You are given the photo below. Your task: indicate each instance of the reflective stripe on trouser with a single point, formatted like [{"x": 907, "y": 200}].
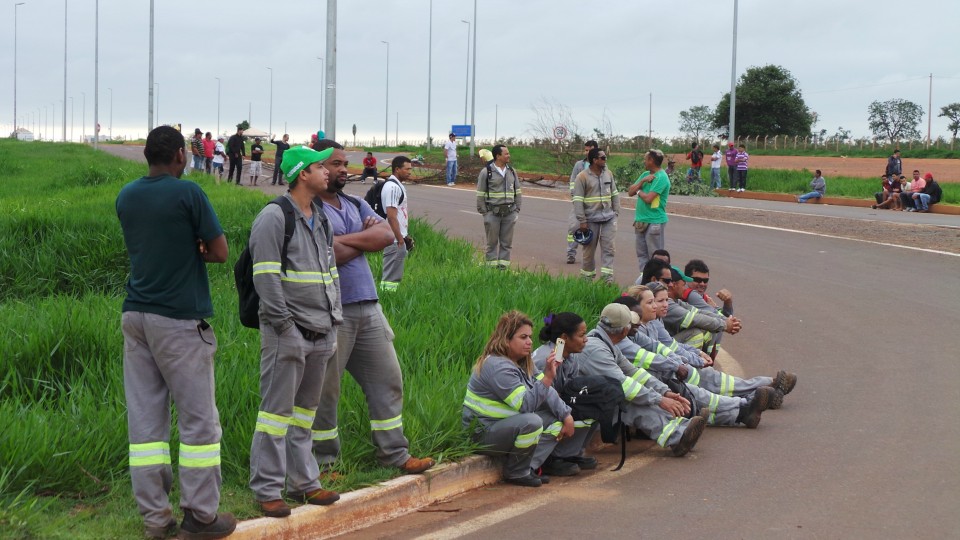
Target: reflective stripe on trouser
[
  {"x": 693, "y": 337},
  {"x": 572, "y": 225},
  {"x": 655, "y": 423},
  {"x": 500, "y": 439},
  {"x": 574, "y": 446},
  {"x": 604, "y": 234},
  {"x": 167, "y": 358},
  {"x": 394, "y": 256},
  {"x": 291, "y": 377},
  {"x": 649, "y": 241},
  {"x": 365, "y": 349},
  {"x": 723, "y": 410},
  {"x": 499, "y": 233},
  {"x": 728, "y": 385}
]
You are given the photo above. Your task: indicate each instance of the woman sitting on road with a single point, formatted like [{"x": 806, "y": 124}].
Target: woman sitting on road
[
  {"x": 567, "y": 458},
  {"x": 512, "y": 413}
]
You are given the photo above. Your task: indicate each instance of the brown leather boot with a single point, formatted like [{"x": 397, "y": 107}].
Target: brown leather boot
[
  {"x": 417, "y": 465},
  {"x": 276, "y": 509},
  {"x": 321, "y": 497}
]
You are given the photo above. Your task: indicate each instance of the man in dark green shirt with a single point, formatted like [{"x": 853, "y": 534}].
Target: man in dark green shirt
[
  {"x": 652, "y": 188},
  {"x": 171, "y": 232}
]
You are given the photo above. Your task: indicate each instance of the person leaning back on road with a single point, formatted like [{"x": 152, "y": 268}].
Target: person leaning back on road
[
  {"x": 393, "y": 199},
  {"x": 365, "y": 339},
  {"x": 573, "y": 224},
  {"x": 236, "y": 150},
  {"x": 299, "y": 314},
  {"x": 282, "y": 146},
  {"x": 650, "y": 217},
  {"x": 171, "y": 231},
  {"x": 596, "y": 204},
  {"x": 450, "y": 153},
  {"x": 498, "y": 201}
]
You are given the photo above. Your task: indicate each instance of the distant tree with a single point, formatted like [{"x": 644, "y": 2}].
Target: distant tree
[
  {"x": 769, "y": 102},
  {"x": 952, "y": 113},
  {"x": 245, "y": 125},
  {"x": 696, "y": 120},
  {"x": 895, "y": 119},
  {"x": 842, "y": 135}
]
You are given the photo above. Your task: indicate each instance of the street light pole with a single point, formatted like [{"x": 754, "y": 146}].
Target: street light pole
[
  {"x": 330, "y": 109},
  {"x": 71, "y": 118},
  {"x": 150, "y": 77},
  {"x": 15, "y": 6},
  {"x": 158, "y": 102},
  {"x": 111, "y": 112},
  {"x": 270, "y": 125},
  {"x": 429, "y": 72},
  {"x": 322, "y": 92},
  {"x": 386, "y": 111},
  {"x": 733, "y": 77},
  {"x": 83, "y": 119},
  {"x": 96, "y": 74},
  {"x": 218, "y": 105},
  {"x": 473, "y": 91},
  {"x": 466, "y": 84},
  {"x": 64, "y": 137}
]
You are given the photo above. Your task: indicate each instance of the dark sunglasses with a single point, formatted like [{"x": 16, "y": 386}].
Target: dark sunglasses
[
  {"x": 666, "y": 280},
  {"x": 602, "y": 157},
  {"x": 703, "y": 280}
]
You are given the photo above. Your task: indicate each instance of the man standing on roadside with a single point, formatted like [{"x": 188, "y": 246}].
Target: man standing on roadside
[
  {"x": 743, "y": 164},
  {"x": 731, "y": 157},
  {"x": 256, "y": 155},
  {"x": 450, "y": 152},
  {"x": 498, "y": 201},
  {"x": 299, "y": 315},
  {"x": 894, "y": 164},
  {"x": 196, "y": 148},
  {"x": 365, "y": 339},
  {"x": 715, "y": 161},
  {"x": 394, "y": 201},
  {"x": 596, "y": 203},
  {"x": 282, "y": 146},
  {"x": 171, "y": 231},
  {"x": 573, "y": 224},
  {"x": 208, "y": 147},
  {"x": 696, "y": 162},
  {"x": 650, "y": 221},
  {"x": 236, "y": 150},
  {"x": 219, "y": 153}
]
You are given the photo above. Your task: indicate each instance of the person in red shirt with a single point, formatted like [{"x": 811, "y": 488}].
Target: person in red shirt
[
  {"x": 696, "y": 161},
  {"x": 890, "y": 194},
  {"x": 369, "y": 168},
  {"x": 208, "y": 146}
]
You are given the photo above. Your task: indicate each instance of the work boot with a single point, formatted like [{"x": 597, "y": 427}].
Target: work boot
[
  {"x": 571, "y": 259},
  {"x": 704, "y": 413},
  {"x": 777, "y": 399},
  {"x": 584, "y": 462},
  {"x": 160, "y": 533},
  {"x": 544, "y": 477},
  {"x": 762, "y": 398},
  {"x": 557, "y": 467},
  {"x": 320, "y": 496},
  {"x": 275, "y": 509},
  {"x": 690, "y": 436},
  {"x": 784, "y": 381},
  {"x": 530, "y": 480},
  {"x": 222, "y": 526},
  {"x": 417, "y": 465}
]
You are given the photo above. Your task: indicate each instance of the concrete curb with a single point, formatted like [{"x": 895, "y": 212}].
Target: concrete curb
[{"x": 385, "y": 501}]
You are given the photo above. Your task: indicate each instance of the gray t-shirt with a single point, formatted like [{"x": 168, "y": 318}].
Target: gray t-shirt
[{"x": 356, "y": 279}]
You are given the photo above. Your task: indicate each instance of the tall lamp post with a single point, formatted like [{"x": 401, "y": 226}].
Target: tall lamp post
[
  {"x": 150, "y": 76},
  {"x": 111, "y": 112},
  {"x": 429, "y": 73},
  {"x": 96, "y": 74},
  {"x": 733, "y": 77},
  {"x": 271, "y": 102},
  {"x": 158, "y": 102},
  {"x": 473, "y": 90},
  {"x": 218, "y": 106},
  {"x": 71, "y": 118},
  {"x": 15, "y": 6},
  {"x": 322, "y": 92},
  {"x": 466, "y": 85},
  {"x": 386, "y": 111},
  {"x": 64, "y": 137},
  {"x": 83, "y": 119}
]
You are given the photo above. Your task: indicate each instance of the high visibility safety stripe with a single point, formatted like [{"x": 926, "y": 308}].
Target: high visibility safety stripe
[
  {"x": 334, "y": 272},
  {"x": 674, "y": 346},
  {"x": 607, "y": 271},
  {"x": 540, "y": 376},
  {"x": 206, "y": 455},
  {"x": 714, "y": 402},
  {"x": 386, "y": 425},
  {"x": 303, "y": 418},
  {"x": 308, "y": 277},
  {"x": 693, "y": 376},
  {"x": 695, "y": 341},
  {"x": 630, "y": 388},
  {"x": 687, "y": 319},
  {"x": 272, "y": 424},
  {"x": 578, "y": 424},
  {"x": 495, "y": 195},
  {"x": 587, "y": 274},
  {"x": 487, "y": 407},
  {"x": 515, "y": 399},
  {"x": 726, "y": 385},
  {"x": 145, "y": 454},
  {"x": 603, "y": 199},
  {"x": 554, "y": 428},
  {"x": 577, "y": 198},
  {"x": 526, "y": 440},
  {"x": 668, "y": 431},
  {"x": 644, "y": 358},
  {"x": 325, "y": 434},
  {"x": 642, "y": 376},
  {"x": 389, "y": 286},
  {"x": 266, "y": 268},
  {"x": 570, "y": 238},
  {"x": 663, "y": 350}
]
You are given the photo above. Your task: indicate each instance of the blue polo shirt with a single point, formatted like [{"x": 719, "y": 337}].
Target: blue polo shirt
[{"x": 356, "y": 279}]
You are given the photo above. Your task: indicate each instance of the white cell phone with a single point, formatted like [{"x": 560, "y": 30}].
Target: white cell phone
[{"x": 558, "y": 351}]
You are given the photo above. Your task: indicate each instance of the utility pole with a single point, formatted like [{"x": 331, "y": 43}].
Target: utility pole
[
  {"x": 96, "y": 74},
  {"x": 650, "y": 124},
  {"x": 111, "y": 112},
  {"x": 15, "y": 6},
  {"x": 218, "y": 106},
  {"x": 929, "y": 110},
  {"x": 64, "y": 71},
  {"x": 150, "y": 81},
  {"x": 466, "y": 84},
  {"x": 496, "y": 121},
  {"x": 733, "y": 77},
  {"x": 71, "y": 118},
  {"x": 386, "y": 106},
  {"x": 473, "y": 108},
  {"x": 330, "y": 111},
  {"x": 158, "y": 102},
  {"x": 322, "y": 92},
  {"x": 270, "y": 130},
  {"x": 429, "y": 71}
]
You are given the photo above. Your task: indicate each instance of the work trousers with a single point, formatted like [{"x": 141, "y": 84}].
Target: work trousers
[
  {"x": 648, "y": 241},
  {"x": 291, "y": 378},
  {"x": 365, "y": 349},
  {"x": 604, "y": 235},
  {"x": 524, "y": 440},
  {"x": 394, "y": 257},
  {"x": 164, "y": 358},
  {"x": 724, "y": 410},
  {"x": 655, "y": 423},
  {"x": 277, "y": 173},
  {"x": 236, "y": 164},
  {"x": 723, "y": 384},
  {"x": 572, "y": 225},
  {"x": 498, "y": 223}
]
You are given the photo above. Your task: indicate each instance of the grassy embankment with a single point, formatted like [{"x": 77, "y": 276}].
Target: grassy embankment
[{"x": 62, "y": 417}]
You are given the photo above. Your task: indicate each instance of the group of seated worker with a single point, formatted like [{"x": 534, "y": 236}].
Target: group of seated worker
[
  {"x": 657, "y": 342},
  {"x": 914, "y": 195}
]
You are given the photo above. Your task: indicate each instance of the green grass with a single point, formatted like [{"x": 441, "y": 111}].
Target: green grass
[{"x": 62, "y": 414}]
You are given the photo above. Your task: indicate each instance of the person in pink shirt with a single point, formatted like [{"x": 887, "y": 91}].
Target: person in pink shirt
[
  {"x": 208, "y": 146},
  {"x": 916, "y": 186}
]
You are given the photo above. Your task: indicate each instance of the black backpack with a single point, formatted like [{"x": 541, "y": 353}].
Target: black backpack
[
  {"x": 243, "y": 269},
  {"x": 373, "y": 196},
  {"x": 598, "y": 398},
  {"x": 696, "y": 156}
]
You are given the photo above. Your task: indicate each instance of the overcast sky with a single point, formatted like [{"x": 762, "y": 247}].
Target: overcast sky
[{"x": 596, "y": 58}]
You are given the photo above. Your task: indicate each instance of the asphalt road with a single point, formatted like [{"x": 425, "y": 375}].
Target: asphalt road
[{"x": 864, "y": 447}]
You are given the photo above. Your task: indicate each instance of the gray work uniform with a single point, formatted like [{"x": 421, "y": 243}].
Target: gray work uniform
[
  {"x": 513, "y": 415},
  {"x": 498, "y": 201},
  {"x": 364, "y": 349},
  {"x": 596, "y": 202},
  {"x": 394, "y": 195},
  {"x": 696, "y": 300},
  {"x": 642, "y": 392},
  {"x": 582, "y": 429},
  {"x": 299, "y": 313},
  {"x": 572, "y": 223},
  {"x": 691, "y": 326}
]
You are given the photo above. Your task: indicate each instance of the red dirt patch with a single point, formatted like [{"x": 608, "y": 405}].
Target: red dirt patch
[{"x": 944, "y": 170}]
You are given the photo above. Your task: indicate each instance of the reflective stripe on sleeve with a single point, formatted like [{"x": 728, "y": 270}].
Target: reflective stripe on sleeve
[
  {"x": 487, "y": 407},
  {"x": 644, "y": 358},
  {"x": 266, "y": 268},
  {"x": 630, "y": 388}
]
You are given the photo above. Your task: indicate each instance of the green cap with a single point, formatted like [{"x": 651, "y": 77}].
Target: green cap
[
  {"x": 677, "y": 274},
  {"x": 299, "y": 158}
]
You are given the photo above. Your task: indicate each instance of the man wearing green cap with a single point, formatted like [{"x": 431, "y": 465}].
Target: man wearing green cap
[{"x": 299, "y": 313}]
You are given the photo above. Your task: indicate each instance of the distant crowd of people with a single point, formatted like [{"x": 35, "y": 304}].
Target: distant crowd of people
[{"x": 899, "y": 193}]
